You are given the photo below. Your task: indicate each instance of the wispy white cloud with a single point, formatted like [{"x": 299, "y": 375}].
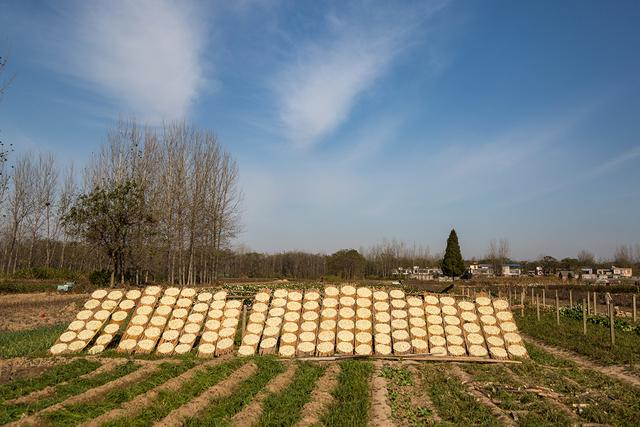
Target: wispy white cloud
[
  {"x": 145, "y": 55},
  {"x": 320, "y": 85}
]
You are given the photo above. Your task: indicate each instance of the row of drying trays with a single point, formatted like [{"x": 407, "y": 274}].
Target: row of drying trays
[{"x": 344, "y": 320}]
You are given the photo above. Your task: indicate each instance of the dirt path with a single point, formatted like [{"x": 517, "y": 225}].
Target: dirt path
[
  {"x": 251, "y": 413},
  {"x": 380, "y": 415},
  {"x": 420, "y": 397},
  {"x": 134, "y": 406},
  {"x": 108, "y": 365},
  {"x": 474, "y": 390},
  {"x": 321, "y": 397},
  {"x": 194, "y": 407},
  {"x": 90, "y": 394},
  {"x": 29, "y": 311},
  {"x": 616, "y": 372}
]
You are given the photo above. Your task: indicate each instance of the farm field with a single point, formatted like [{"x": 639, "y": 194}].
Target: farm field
[
  {"x": 262, "y": 390},
  {"x": 551, "y": 388}
]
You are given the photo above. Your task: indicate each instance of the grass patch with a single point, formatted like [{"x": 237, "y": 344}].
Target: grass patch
[
  {"x": 76, "y": 414},
  {"x": 167, "y": 401},
  {"x": 508, "y": 392},
  {"x": 605, "y": 400},
  {"x": 351, "y": 406},
  {"x": 221, "y": 411},
  {"x": 62, "y": 392},
  {"x": 55, "y": 375},
  {"x": 284, "y": 409},
  {"x": 30, "y": 343},
  {"x": 400, "y": 389},
  {"x": 568, "y": 335},
  {"x": 453, "y": 403}
]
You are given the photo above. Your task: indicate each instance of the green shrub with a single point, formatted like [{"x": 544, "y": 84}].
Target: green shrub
[
  {"x": 100, "y": 277},
  {"x": 45, "y": 273}
]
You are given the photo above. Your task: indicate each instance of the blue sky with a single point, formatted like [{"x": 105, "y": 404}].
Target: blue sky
[{"x": 358, "y": 121}]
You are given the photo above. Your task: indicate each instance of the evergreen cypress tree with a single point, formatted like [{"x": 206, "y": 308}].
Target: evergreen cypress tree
[{"x": 452, "y": 263}]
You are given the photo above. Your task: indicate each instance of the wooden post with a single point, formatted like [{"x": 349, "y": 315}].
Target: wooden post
[
  {"x": 544, "y": 299},
  {"x": 588, "y": 302},
  {"x": 612, "y": 325},
  {"x": 531, "y": 295},
  {"x": 570, "y": 298},
  {"x": 595, "y": 304},
  {"x": 538, "y": 306},
  {"x": 522, "y": 303},
  {"x": 244, "y": 319},
  {"x": 634, "y": 308},
  {"x": 584, "y": 318},
  {"x": 557, "y": 309}
]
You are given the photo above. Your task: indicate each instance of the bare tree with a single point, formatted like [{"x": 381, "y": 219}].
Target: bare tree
[
  {"x": 4, "y": 83},
  {"x": 19, "y": 205},
  {"x": 498, "y": 254},
  {"x": 623, "y": 256},
  {"x": 66, "y": 197},
  {"x": 586, "y": 258}
]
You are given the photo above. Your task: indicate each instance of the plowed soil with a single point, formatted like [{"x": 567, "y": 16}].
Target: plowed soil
[{"x": 29, "y": 311}]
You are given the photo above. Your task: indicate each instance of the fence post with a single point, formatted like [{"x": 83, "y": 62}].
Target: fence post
[
  {"x": 612, "y": 325},
  {"x": 570, "y": 298},
  {"x": 522, "y": 302},
  {"x": 244, "y": 318},
  {"x": 595, "y": 304},
  {"x": 584, "y": 317},
  {"x": 544, "y": 299},
  {"x": 538, "y": 306},
  {"x": 588, "y": 302},
  {"x": 532, "y": 295},
  {"x": 557, "y": 309},
  {"x": 634, "y": 308}
]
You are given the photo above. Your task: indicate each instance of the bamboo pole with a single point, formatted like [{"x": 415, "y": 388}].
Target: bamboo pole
[
  {"x": 532, "y": 295},
  {"x": 634, "y": 308},
  {"x": 244, "y": 319},
  {"x": 595, "y": 304},
  {"x": 408, "y": 357},
  {"x": 588, "y": 302},
  {"x": 522, "y": 303},
  {"x": 584, "y": 318},
  {"x": 538, "y": 306},
  {"x": 557, "y": 309}
]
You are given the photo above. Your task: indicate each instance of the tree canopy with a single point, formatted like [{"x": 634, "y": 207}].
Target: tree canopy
[
  {"x": 452, "y": 263},
  {"x": 110, "y": 218},
  {"x": 347, "y": 264}
]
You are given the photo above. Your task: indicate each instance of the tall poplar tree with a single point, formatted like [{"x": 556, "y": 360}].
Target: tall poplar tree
[{"x": 452, "y": 263}]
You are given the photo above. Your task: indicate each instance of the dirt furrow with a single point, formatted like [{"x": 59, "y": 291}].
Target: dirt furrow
[
  {"x": 614, "y": 371},
  {"x": 108, "y": 365},
  {"x": 251, "y": 413},
  {"x": 321, "y": 397},
  {"x": 93, "y": 393},
  {"x": 380, "y": 410},
  {"x": 134, "y": 406},
  {"x": 25, "y": 367},
  {"x": 198, "y": 404},
  {"x": 480, "y": 397},
  {"x": 420, "y": 398}
]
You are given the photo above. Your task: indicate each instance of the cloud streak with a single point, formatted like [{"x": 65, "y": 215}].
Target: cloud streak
[
  {"x": 320, "y": 85},
  {"x": 146, "y": 55}
]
